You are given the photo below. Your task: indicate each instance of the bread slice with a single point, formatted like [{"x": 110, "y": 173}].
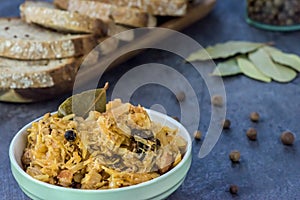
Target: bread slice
[
  {"x": 45, "y": 14},
  {"x": 21, "y": 74},
  {"x": 20, "y": 40},
  {"x": 105, "y": 11},
  {"x": 28, "y": 95},
  {"x": 154, "y": 7},
  {"x": 31, "y": 81}
]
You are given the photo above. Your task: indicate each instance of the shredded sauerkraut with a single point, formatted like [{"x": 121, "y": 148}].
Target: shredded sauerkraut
[{"x": 118, "y": 148}]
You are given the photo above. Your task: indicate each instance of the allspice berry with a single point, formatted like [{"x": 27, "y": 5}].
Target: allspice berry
[
  {"x": 180, "y": 96},
  {"x": 217, "y": 100},
  {"x": 254, "y": 116},
  {"x": 287, "y": 138},
  {"x": 197, "y": 135},
  {"x": 251, "y": 134},
  {"x": 226, "y": 124},
  {"x": 233, "y": 189},
  {"x": 235, "y": 156}
]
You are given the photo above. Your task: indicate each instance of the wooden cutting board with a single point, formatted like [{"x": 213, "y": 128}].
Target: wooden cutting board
[{"x": 195, "y": 13}]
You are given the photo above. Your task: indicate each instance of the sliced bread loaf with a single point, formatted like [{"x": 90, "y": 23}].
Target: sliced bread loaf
[
  {"x": 105, "y": 11},
  {"x": 20, "y": 40},
  {"x": 45, "y": 14},
  {"x": 155, "y": 7},
  {"x": 21, "y": 74}
]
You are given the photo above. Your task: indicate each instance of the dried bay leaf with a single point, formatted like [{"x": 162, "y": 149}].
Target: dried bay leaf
[
  {"x": 287, "y": 74},
  {"x": 224, "y": 50},
  {"x": 247, "y": 67},
  {"x": 227, "y": 68},
  {"x": 264, "y": 63},
  {"x": 282, "y": 58},
  {"x": 81, "y": 104}
]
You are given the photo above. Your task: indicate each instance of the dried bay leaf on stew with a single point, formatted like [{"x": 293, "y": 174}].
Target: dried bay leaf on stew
[
  {"x": 81, "y": 104},
  {"x": 264, "y": 63},
  {"x": 227, "y": 68},
  {"x": 224, "y": 50},
  {"x": 251, "y": 71},
  {"x": 290, "y": 60}
]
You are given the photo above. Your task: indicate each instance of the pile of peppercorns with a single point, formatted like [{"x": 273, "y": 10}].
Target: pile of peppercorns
[{"x": 274, "y": 12}]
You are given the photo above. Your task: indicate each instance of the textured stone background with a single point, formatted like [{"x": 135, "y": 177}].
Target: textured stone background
[{"x": 268, "y": 170}]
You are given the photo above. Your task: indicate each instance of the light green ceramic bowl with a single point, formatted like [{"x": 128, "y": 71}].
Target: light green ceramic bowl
[{"x": 158, "y": 188}]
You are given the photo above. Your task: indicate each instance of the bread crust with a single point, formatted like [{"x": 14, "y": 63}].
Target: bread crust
[
  {"x": 154, "y": 7},
  {"x": 45, "y": 14},
  {"x": 105, "y": 11}
]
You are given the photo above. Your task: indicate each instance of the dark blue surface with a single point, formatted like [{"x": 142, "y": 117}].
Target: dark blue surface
[{"x": 268, "y": 169}]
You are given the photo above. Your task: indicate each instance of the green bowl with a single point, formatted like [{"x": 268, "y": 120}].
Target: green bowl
[
  {"x": 272, "y": 27},
  {"x": 158, "y": 188}
]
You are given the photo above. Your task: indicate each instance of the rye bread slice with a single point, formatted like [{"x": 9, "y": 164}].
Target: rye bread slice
[
  {"x": 19, "y": 40},
  {"x": 119, "y": 14},
  {"x": 46, "y": 15},
  {"x": 154, "y": 7},
  {"x": 22, "y": 74}
]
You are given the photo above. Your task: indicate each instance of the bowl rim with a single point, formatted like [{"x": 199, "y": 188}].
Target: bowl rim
[{"x": 14, "y": 163}]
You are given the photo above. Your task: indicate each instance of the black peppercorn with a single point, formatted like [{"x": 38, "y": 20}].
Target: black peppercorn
[
  {"x": 235, "y": 156},
  {"x": 274, "y": 12},
  {"x": 287, "y": 138},
  {"x": 254, "y": 116},
  {"x": 233, "y": 189},
  {"x": 180, "y": 96},
  {"x": 176, "y": 118},
  {"x": 197, "y": 135},
  {"x": 70, "y": 135},
  {"x": 226, "y": 124},
  {"x": 217, "y": 100},
  {"x": 251, "y": 134}
]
